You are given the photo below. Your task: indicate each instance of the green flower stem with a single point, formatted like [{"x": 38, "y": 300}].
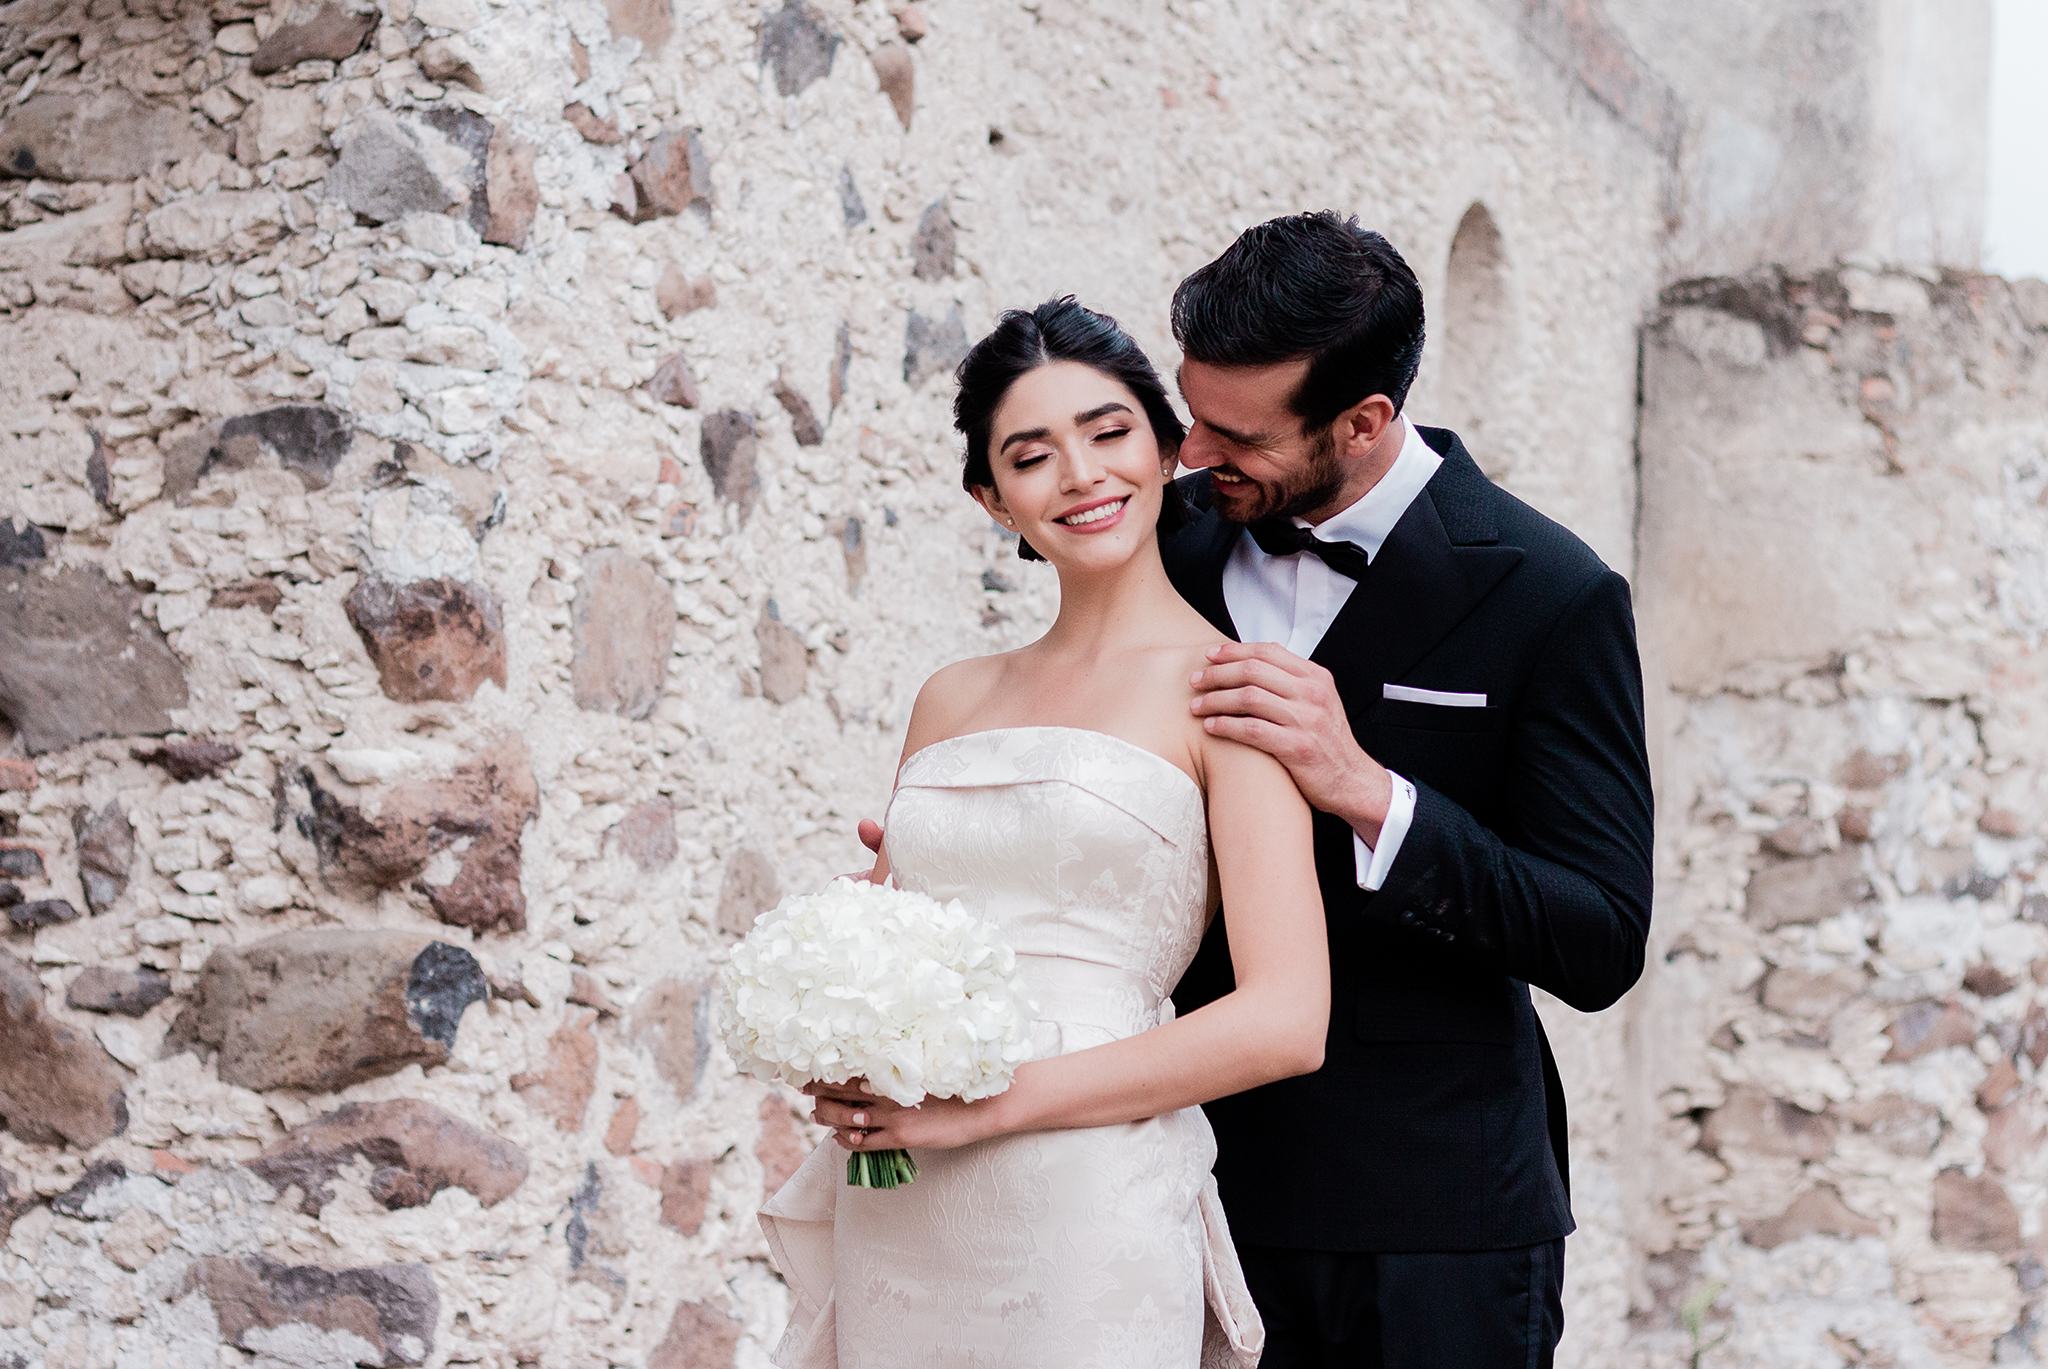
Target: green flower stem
[{"x": 880, "y": 1168}]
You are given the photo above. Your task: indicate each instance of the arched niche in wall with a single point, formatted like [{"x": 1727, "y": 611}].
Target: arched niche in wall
[{"x": 1477, "y": 338}]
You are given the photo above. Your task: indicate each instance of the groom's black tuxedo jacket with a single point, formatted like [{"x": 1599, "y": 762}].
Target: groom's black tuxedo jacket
[{"x": 1437, "y": 1121}]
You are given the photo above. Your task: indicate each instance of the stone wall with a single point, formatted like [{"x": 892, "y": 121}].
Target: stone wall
[
  {"x": 476, "y": 503},
  {"x": 1833, "y": 1081}
]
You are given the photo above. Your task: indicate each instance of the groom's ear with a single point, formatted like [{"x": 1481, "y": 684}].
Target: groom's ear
[{"x": 1359, "y": 428}]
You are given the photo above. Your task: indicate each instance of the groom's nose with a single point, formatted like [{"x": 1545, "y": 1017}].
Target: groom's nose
[{"x": 1199, "y": 450}]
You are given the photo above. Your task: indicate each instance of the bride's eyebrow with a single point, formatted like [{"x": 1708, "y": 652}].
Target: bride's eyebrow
[
  {"x": 1099, "y": 410},
  {"x": 1025, "y": 435}
]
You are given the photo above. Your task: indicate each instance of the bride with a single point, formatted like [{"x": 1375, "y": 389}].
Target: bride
[{"x": 1067, "y": 792}]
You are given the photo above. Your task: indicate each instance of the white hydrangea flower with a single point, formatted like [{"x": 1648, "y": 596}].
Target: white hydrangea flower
[{"x": 870, "y": 981}]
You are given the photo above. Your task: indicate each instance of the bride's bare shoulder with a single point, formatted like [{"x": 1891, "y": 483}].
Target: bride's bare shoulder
[{"x": 950, "y": 697}]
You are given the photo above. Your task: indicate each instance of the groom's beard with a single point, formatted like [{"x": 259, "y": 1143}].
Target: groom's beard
[{"x": 1316, "y": 485}]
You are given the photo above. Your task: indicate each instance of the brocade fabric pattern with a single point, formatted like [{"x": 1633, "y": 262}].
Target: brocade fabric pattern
[{"x": 1095, "y": 1248}]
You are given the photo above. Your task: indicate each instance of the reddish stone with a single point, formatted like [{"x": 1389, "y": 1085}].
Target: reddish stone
[
  {"x": 1975, "y": 1214},
  {"x": 1988, "y": 981},
  {"x": 393, "y": 1307},
  {"x": 678, "y": 294},
  {"x": 79, "y": 661},
  {"x": 194, "y": 758},
  {"x": 130, "y": 993},
  {"x": 18, "y": 776},
  {"x": 1813, "y": 889},
  {"x": 670, "y": 471},
  {"x": 780, "y": 1149},
  {"x": 2012, "y": 1138},
  {"x": 2002, "y": 822},
  {"x": 430, "y": 639},
  {"x": 624, "y": 626},
  {"x": 785, "y": 661},
  {"x": 647, "y": 835},
  {"x": 328, "y": 34},
  {"x": 897, "y": 76},
  {"x": 911, "y": 24},
  {"x": 651, "y": 21},
  {"x": 584, "y": 989},
  {"x": 674, "y": 174},
  {"x": 262, "y": 595},
  {"x": 669, "y": 1022},
  {"x": 417, "y": 1149},
  {"x": 1902, "y": 1125},
  {"x": 672, "y": 383},
  {"x": 2034, "y": 1027},
  {"x": 561, "y": 1088},
  {"x": 1818, "y": 1211},
  {"x": 618, "y": 1137},
  {"x": 1927, "y": 1027},
  {"x": 685, "y": 1193},
  {"x": 1998, "y": 1087},
  {"x": 679, "y": 519},
  {"x": 511, "y": 188},
  {"x": 1752, "y": 1120},
  {"x": 1804, "y": 994},
  {"x": 750, "y": 889},
  {"x": 585, "y": 120},
  {"x": 803, "y": 424},
  {"x": 1854, "y": 823},
  {"x": 1865, "y": 771},
  {"x": 57, "y": 1086},
  {"x": 699, "y": 1337},
  {"x": 167, "y": 1163}
]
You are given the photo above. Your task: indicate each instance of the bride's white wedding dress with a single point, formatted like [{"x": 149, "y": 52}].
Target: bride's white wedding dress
[{"x": 1104, "y": 1247}]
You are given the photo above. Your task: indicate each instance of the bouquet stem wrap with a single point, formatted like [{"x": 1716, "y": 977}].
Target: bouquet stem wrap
[{"x": 917, "y": 998}]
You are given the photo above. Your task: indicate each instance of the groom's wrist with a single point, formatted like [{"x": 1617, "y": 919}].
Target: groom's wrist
[{"x": 1365, "y": 807}]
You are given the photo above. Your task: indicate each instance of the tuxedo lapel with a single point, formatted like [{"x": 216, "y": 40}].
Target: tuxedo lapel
[
  {"x": 1195, "y": 561},
  {"x": 1441, "y": 559}
]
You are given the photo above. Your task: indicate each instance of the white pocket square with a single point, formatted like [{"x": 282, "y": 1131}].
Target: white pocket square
[{"x": 1440, "y": 697}]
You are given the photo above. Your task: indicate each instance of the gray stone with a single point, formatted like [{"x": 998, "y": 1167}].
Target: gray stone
[
  {"x": 22, "y": 862},
  {"x": 431, "y": 639},
  {"x": 21, "y": 543},
  {"x": 57, "y": 1086},
  {"x": 131, "y": 993},
  {"x": 647, "y": 835},
  {"x": 391, "y": 1308},
  {"x": 727, "y": 446},
  {"x": 309, "y": 440},
  {"x": 1818, "y": 1211},
  {"x": 511, "y": 189},
  {"x": 106, "y": 135},
  {"x": 785, "y": 661},
  {"x": 797, "y": 47},
  {"x": 672, "y": 383},
  {"x": 106, "y": 850},
  {"x": 321, "y": 1009},
  {"x": 1752, "y": 1120},
  {"x": 897, "y": 76},
  {"x": 842, "y": 359},
  {"x": 931, "y": 247},
  {"x": 671, "y": 1022},
  {"x": 674, "y": 174},
  {"x": 323, "y": 32},
  {"x": 624, "y": 624},
  {"x": 16, "y": 1198},
  {"x": 79, "y": 661},
  {"x": 1902, "y": 1125},
  {"x": 472, "y": 133},
  {"x": 195, "y": 758},
  {"x": 416, "y": 1148},
  {"x": 803, "y": 424},
  {"x": 77, "y": 1201},
  {"x": 385, "y": 174},
  {"x": 1975, "y": 1214},
  {"x": 97, "y": 477},
  {"x": 10, "y": 894},
  {"x": 1927, "y": 1027},
  {"x": 751, "y": 887},
  {"x": 932, "y": 346},
  {"x": 1786, "y": 892},
  {"x": 851, "y": 207},
  {"x": 43, "y": 912}
]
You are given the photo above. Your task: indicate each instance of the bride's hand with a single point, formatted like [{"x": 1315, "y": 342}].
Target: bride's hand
[{"x": 860, "y": 1121}]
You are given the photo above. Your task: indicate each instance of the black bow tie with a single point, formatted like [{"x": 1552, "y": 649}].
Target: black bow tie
[{"x": 1282, "y": 537}]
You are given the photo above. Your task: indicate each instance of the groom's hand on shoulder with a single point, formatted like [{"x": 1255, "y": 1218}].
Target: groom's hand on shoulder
[{"x": 1265, "y": 696}]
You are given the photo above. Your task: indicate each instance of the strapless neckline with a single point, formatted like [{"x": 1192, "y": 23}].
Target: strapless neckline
[{"x": 985, "y": 732}]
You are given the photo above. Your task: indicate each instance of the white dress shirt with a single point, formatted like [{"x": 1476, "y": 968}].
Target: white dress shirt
[{"x": 1292, "y": 600}]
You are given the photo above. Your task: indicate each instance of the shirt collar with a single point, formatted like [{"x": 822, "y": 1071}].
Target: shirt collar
[{"x": 1371, "y": 519}]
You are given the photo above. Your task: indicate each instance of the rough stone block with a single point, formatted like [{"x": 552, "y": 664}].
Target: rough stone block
[
  {"x": 106, "y": 135},
  {"x": 1786, "y": 892},
  {"x": 1975, "y": 1214},
  {"x": 10, "y": 894},
  {"x": 780, "y": 1147},
  {"x": 560, "y": 1089},
  {"x": 511, "y": 189},
  {"x": 727, "y": 446},
  {"x": 803, "y": 424},
  {"x": 751, "y": 887},
  {"x": 57, "y": 1086},
  {"x": 674, "y": 174},
  {"x": 897, "y": 76},
  {"x": 672, "y": 383},
  {"x": 390, "y": 169},
  {"x": 41, "y": 913},
  {"x": 624, "y": 627},
  {"x": 431, "y": 639},
  {"x": 417, "y": 1150},
  {"x": 469, "y": 135},
  {"x": 384, "y": 1314},
  {"x": 1927, "y": 1027},
  {"x": 796, "y": 47},
  {"x": 324, "y": 32},
  {"x": 932, "y": 346},
  {"x": 106, "y": 851},
  {"x": 22, "y": 862},
  {"x": 647, "y": 835},
  {"x": 931, "y": 246},
  {"x": 785, "y": 661},
  {"x": 309, "y": 440},
  {"x": 322, "y": 1009},
  {"x": 78, "y": 660},
  {"x": 1818, "y": 1211},
  {"x": 650, "y": 21},
  {"x": 698, "y": 1337},
  {"x": 1752, "y": 1120},
  {"x": 21, "y": 543},
  {"x": 685, "y": 1193},
  {"x": 131, "y": 993},
  {"x": 193, "y": 758},
  {"x": 670, "y": 1021},
  {"x": 280, "y": 123},
  {"x": 77, "y": 1200}
]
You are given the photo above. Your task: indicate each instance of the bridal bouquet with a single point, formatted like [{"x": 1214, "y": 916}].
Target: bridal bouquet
[{"x": 867, "y": 981}]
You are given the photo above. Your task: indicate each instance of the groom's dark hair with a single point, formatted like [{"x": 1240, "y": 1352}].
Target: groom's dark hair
[{"x": 1315, "y": 287}]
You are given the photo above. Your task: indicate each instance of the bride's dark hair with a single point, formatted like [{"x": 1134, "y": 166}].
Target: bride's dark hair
[{"x": 1058, "y": 330}]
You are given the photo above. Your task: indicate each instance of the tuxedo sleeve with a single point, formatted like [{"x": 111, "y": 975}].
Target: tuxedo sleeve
[{"x": 1560, "y": 896}]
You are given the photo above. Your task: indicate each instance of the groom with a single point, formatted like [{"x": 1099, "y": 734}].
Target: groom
[{"x": 1452, "y": 680}]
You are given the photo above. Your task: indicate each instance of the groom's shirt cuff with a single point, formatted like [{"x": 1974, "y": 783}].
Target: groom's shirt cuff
[{"x": 1373, "y": 862}]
